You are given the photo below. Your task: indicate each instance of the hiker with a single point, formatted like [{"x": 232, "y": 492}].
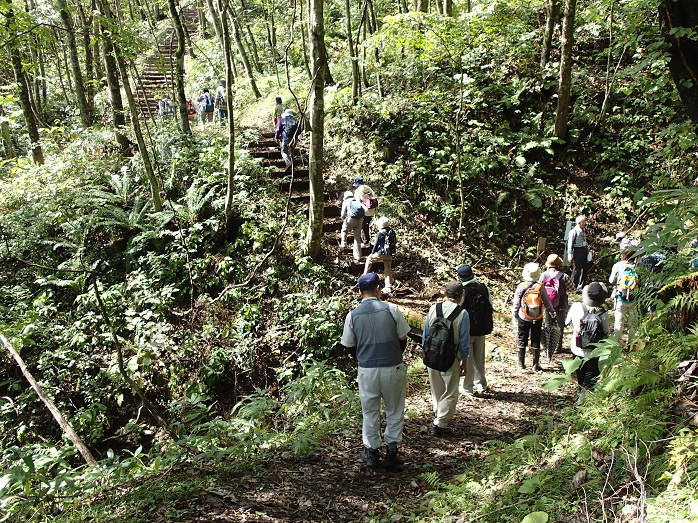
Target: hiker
[
  {"x": 364, "y": 194},
  {"x": 444, "y": 384},
  {"x": 352, "y": 216},
  {"x": 557, "y": 285},
  {"x": 278, "y": 109},
  {"x": 530, "y": 303},
  {"x": 206, "y": 106},
  {"x": 477, "y": 302},
  {"x": 221, "y": 102},
  {"x": 589, "y": 321},
  {"x": 375, "y": 333},
  {"x": 578, "y": 251},
  {"x": 383, "y": 251},
  {"x": 165, "y": 107},
  {"x": 626, "y": 290},
  {"x": 285, "y": 135}
]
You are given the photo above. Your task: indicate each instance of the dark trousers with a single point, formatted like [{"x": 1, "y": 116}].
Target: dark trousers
[
  {"x": 588, "y": 373},
  {"x": 532, "y": 327},
  {"x": 579, "y": 271},
  {"x": 365, "y": 235}
]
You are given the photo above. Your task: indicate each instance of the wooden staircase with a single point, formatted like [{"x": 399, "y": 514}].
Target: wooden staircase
[{"x": 156, "y": 77}]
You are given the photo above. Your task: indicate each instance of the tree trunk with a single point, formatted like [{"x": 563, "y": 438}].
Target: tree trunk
[
  {"x": 563, "y": 94},
  {"x": 448, "y": 7},
  {"x": 80, "y": 95},
  {"x": 65, "y": 426},
  {"x": 271, "y": 37},
  {"x": 422, "y": 6},
  {"x": 230, "y": 230},
  {"x": 25, "y": 103},
  {"x": 5, "y": 135},
  {"x": 133, "y": 108},
  {"x": 89, "y": 50},
  {"x": 552, "y": 14},
  {"x": 352, "y": 56},
  {"x": 304, "y": 37},
  {"x": 255, "y": 52},
  {"x": 316, "y": 30},
  {"x": 112, "y": 76},
  {"x": 243, "y": 54},
  {"x": 683, "y": 65},
  {"x": 179, "y": 69}
]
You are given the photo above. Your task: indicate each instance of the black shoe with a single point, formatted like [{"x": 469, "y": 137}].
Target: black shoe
[
  {"x": 441, "y": 432},
  {"x": 372, "y": 457},
  {"x": 393, "y": 461}
]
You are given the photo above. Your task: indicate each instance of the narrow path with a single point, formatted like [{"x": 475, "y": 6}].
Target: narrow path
[{"x": 334, "y": 485}]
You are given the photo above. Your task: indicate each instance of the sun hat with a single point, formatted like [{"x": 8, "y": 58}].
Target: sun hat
[
  {"x": 358, "y": 181},
  {"x": 465, "y": 272},
  {"x": 287, "y": 112},
  {"x": 553, "y": 261},
  {"x": 530, "y": 272},
  {"x": 382, "y": 222},
  {"x": 454, "y": 290},
  {"x": 348, "y": 194},
  {"x": 594, "y": 294},
  {"x": 368, "y": 281}
]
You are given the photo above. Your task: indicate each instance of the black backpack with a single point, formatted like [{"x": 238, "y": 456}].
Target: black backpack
[
  {"x": 438, "y": 348},
  {"x": 479, "y": 309},
  {"x": 591, "y": 328},
  {"x": 390, "y": 247}
]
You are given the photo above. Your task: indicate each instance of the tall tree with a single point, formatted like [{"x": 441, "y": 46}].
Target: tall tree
[
  {"x": 565, "y": 85},
  {"x": 71, "y": 43},
  {"x": 675, "y": 15},
  {"x": 316, "y": 32},
  {"x": 179, "y": 68},
  {"x": 352, "y": 56},
  {"x": 237, "y": 36},
  {"x": 552, "y": 15},
  {"x": 111, "y": 70},
  {"x": 23, "y": 86}
]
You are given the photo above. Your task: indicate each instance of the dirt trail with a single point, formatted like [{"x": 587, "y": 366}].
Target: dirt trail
[{"x": 335, "y": 485}]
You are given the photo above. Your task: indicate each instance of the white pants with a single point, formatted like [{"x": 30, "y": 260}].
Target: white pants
[
  {"x": 354, "y": 225},
  {"x": 387, "y": 267},
  {"x": 476, "y": 365},
  {"x": 625, "y": 315},
  {"x": 444, "y": 393},
  {"x": 389, "y": 384}
]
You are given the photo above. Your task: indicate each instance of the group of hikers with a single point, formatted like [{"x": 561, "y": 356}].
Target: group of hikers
[
  {"x": 453, "y": 338},
  {"x": 205, "y": 105}
]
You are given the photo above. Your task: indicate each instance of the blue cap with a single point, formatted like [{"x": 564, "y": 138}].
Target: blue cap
[
  {"x": 358, "y": 181},
  {"x": 368, "y": 281},
  {"x": 465, "y": 272}
]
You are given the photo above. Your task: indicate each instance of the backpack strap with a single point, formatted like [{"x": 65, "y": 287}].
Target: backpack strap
[{"x": 440, "y": 310}]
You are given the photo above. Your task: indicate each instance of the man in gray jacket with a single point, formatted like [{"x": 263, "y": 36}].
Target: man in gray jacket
[{"x": 375, "y": 333}]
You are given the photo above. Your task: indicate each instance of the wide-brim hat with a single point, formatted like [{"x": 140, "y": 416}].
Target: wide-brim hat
[
  {"x": 530, "y": 272},
  {"x": 553, "y": 261},
  {"x": 348, "y": 194},
  {"x": 594, "y": 294}
]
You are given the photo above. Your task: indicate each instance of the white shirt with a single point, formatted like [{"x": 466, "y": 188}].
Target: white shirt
[{"x": 574, "y": 317}]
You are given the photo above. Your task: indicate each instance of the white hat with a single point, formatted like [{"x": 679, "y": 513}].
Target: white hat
[
  {"x": 348, "y": 194},
  {"x": 287, "y": 112},
  {"x": 530, "y": 272},
  {"x": 382, "y": 222}
]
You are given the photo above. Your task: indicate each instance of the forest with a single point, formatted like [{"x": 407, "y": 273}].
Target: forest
[{"x": 172, "y": 296}]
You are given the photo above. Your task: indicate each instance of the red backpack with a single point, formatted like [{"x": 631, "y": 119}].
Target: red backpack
[{"x": 532, "y": 302}]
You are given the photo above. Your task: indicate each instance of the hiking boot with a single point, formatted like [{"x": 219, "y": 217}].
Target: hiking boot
[
  {"x": 372, "y": 457},
  {"x": 536, "y": 360},
  {"x": 522, "y": 357},
  {"x": 393, "y": 461},
  {"x": 440, "y": 431}
]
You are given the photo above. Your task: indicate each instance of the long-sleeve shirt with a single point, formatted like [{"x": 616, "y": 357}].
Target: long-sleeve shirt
[
  {"x": 460, "y": 326},
  {"x": 520, "y": 290},
  {"x": 574, "y": 318},
  {"x": 577, "y": 238},
  {"x": 360, "y": 194}
]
